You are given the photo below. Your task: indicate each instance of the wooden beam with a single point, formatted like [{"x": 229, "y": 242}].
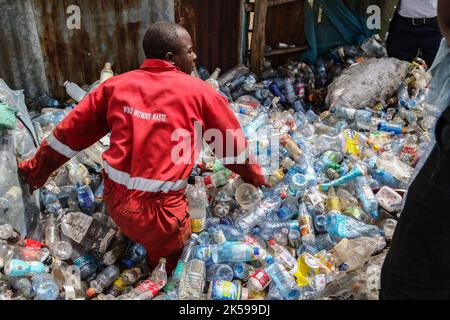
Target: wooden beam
[
  {"x": 259, "y": 36},
  {"x": 272, "y": 3},
  {"x": 285, "y": 51}
]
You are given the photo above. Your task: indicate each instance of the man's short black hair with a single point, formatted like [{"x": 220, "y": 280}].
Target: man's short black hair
[{"x": 161, "y": 38}]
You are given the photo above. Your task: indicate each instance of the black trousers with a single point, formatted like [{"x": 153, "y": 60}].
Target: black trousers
[
  {"x": 417, "y": 266},
  {"x": 406, "y": 40}
]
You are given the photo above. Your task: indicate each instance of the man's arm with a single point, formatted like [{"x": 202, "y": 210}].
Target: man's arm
[
  {"x": 84, "y": 126},
  {"x": 444, "y": 18},
  {"x": 217, "y": 115}
]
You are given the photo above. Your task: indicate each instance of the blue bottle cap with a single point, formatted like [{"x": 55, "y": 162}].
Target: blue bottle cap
[{"x": 256, "y": 251}]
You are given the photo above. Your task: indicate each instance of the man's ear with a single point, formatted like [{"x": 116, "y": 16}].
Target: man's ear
[{"x": 170, "y": 57}]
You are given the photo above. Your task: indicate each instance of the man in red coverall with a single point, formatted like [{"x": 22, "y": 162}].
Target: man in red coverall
[{"x": 144, "y": 186}]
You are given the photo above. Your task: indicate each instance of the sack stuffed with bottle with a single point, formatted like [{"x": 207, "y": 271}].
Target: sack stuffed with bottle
[{"x": 366, "y": 83}]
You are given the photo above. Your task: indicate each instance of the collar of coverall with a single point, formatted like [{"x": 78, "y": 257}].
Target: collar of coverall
[{"x": 152, "y": 64}]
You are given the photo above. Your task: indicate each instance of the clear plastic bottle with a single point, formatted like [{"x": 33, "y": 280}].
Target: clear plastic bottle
[
  {"x": 329, "y": 159},
  {"x": 198, "y": 202},
  {"x": 306, "y": 224},
  {"x": 340, "y": 226},
  {"x": 243, "y": 271},
  {"x": 87, "y": 231},
  {"x": 85, "y": 262},
  {"x": 193, "y": 281},
  {"x": 131, "y": 276},
  {"x": 233, "y": 252},
  {"x": 247, "y": 196},
  {"x": 356, "y": 172},
  {"x": 51, "y": 202},
  {"x": 212, "y": 81},
  {"x": 356, "y": 252},
  {"x": 297, "y": 188},
  {"x": 219, "y": 272},
  {"x": 74, "y": 91},
  {"x": 366, "y": 196},
  {"x": 282, "y": 280},
  {"x": 333, "y": 202},
  {"x": 258, "y": 281},
  {"x": 61, "y": 250},
  {"x": 291, "y": 146},
  {"x": 85, "y": 198},
  {"x": 283, "y": 256},
  {"x": 106, "y": 73},
  {"x": 225, "y": 290},
  {"x": 45, "y": 287},
  {"x": 8, "y": 233},
  {"x": 184, "y": 258},
  {"x": 104, "y": 280},
  {"x": 258, "y": 215},
  {"x": 23, "y": 286}
]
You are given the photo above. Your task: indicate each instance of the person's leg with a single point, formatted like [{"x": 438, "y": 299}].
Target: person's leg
[
  {"x": 402, "y": 42},
  {"x": 430, "y": 41},
  {"x": 160, "y": 223}
]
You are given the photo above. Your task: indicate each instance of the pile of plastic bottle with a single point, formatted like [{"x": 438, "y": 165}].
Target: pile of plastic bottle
[{"x": 338, "y": 178}]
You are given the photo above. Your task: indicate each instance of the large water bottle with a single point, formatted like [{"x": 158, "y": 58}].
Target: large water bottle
[
  {"x": 193, "y": 281},
  {"x": 233, "y": 252},
  {"x": 340, "y": 226},
  {"x": 185, "y": 256},
  {"x": 282, "y": 280},
  {"x": 366, "y": 196},
  {"x": 258, "y": 215}
]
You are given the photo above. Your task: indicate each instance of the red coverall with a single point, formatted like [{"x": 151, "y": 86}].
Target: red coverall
[{"x": 144, "y": 188}]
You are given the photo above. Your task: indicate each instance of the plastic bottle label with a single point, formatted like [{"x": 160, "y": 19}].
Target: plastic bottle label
[
  {"x": 198, "y": 225},
  {"x": 305, "y": 225},
  {"x": 149, "y": 286},
  {"x": 262, "y": 278},
  {"x": 224, "y": 290},
  {"x": 352, "y": 143}
]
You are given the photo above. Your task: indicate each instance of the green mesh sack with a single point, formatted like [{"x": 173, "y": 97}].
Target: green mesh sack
[{"x": 7, "y": 117}]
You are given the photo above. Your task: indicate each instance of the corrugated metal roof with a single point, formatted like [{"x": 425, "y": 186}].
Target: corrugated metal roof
[{"x": 40, "y": 52}]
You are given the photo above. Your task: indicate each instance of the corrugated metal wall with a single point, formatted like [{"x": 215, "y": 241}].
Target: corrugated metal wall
[{"x": 39, "y": 52}]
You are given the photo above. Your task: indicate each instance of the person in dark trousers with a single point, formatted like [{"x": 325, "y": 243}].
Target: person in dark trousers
[
  {"x": 414, "y": 30},
  {"x": 417, "y": 266}
]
